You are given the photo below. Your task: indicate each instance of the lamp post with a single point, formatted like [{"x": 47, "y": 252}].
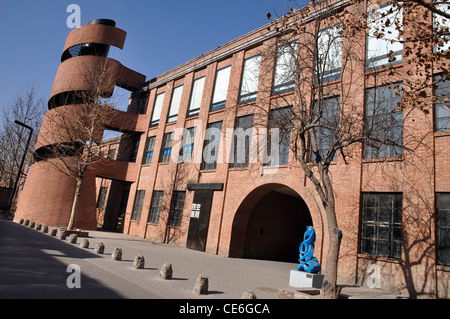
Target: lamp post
[{"x": 11, "y": 197}]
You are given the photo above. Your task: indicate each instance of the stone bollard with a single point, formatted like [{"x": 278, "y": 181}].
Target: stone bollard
[
  {"x": 117, "y": 254},
  {"x": 38, "y": 226},
  {"x": 21, "y": 221},
  {"x": 45, "y": 229},
  {"x": 201, "y": 285},
  {"x": 99, "y": 248},
  {"x": 32, "y": 225},
  {"x": 139, "y": 262},
  {"x": 248, "y": 294},
  {"x": 73, "y": 238},
  {"x": 27, "y": 222},
  {"x": 166, "y": 271},
  {"x": 84, "y": 243},
  {"x": 62, "y": 235}
]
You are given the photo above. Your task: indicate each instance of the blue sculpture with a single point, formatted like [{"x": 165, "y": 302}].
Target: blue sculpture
[{"x": 308, "y": 263}]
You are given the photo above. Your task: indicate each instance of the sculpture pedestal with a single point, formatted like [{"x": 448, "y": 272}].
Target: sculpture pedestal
[{"x": 302, "y": 279}]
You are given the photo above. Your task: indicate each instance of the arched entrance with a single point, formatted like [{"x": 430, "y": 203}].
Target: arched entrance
[{"x": 269, "y": 224}]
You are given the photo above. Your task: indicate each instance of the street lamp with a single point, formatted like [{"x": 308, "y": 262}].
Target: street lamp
[{"x": 11, "y": 197}]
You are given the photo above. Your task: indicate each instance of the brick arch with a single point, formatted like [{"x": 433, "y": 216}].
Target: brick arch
[{"x": 243, "y": 223}]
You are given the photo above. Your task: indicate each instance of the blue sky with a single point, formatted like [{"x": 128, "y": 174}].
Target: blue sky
[{"x": 160, "y": 34}]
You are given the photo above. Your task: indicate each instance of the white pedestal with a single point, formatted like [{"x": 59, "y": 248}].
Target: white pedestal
[{"x": 302, "y": 279}]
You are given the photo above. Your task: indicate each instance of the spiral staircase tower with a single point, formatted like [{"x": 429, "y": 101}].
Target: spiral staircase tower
[{"x": 48, "y": 194}]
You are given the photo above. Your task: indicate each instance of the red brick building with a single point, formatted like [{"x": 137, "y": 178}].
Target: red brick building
[{"x": 392, "y": 204}]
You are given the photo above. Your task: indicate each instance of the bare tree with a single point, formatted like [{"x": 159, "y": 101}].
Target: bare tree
[
  {"x": 319, "y": 59},
  {"x": 28, "y": 108},
  {"x": 71, "y": 134}
]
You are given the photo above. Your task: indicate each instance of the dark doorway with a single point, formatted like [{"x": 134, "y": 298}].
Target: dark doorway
[{"x": 274, "y": 227}]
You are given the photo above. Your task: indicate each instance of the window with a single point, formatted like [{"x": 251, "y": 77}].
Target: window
[
  {"x": 102, "y": 197},
  {"x": 250, "y": 77},
  {"x": 442, "y": 110},
  {"x": 285, "y": 69},
  {"x": 175, "y": 104},
  {"x": 326, "y": 137},
  {"x": 166, "y": 147},
  {"x": 211, "y": 145},
  {"x": 157, "y": 108},
  {"x": 176, "y": 209},
  {"x": 242, "y": 141},
  {"x": 381, "y": 233},
  {"x": 134, "y": 150},
  {"x": 384, "y": 122},
  {"x": 137, "y": 207},
  {"x": 149, "y": 149},
  {"x": 383, "y": 47},
  {"x": 142, "y": 104},
  {"x": 279, "y": 119},
  {"x": 155, "y": 207},
  {"x": 442, "y": 26},
  {"x": 111, "y": 153},
  {"x": 221, "y": 89},
  {"x": 196, "y": 97},
  {"x": 329, "y": 48},
  {"x": 443, "y": 228},
  {"x": 187, "y": 144}
]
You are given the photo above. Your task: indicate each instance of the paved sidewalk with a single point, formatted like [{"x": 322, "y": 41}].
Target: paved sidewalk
[{"x": 228, "y": 277}]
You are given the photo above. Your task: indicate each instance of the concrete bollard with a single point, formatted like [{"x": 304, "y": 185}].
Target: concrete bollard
[
  {"x": 84, "y": 243},
  {"x": 73, "y": 238},
  {"x": 100, "y": 248},
  {"x": 139, "y": 262},
  {"x": 117, "y": 254},
  {"x": 45, "y": 229},
  {"x": 53, "y": 232},
  {"x": 201, "y": 285},
  {"x": 248, "y": 294},
  {"x": 62, "y": 235},
  {"x": 166, "y": 271}
]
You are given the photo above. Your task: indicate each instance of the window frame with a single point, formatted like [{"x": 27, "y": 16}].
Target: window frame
[
  {"x": 440, "y": 228},
  {"x": 247, "y": 95},
  {"x": 176, "y": 209},
  {"x": 387, "y": 231},
  {"x": 166, "y": 147},
  {"x": 138, "y": 204},
  {"x": 220, "y": 94},
  {"x": 155, "y": 207},
  {"x": 206, "y": 141},
  {"x": 149, "y": 148},
  {"x": 196, "y": 96}
]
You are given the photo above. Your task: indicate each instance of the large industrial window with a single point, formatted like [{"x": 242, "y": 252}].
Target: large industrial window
[
  {"x": 187, "y": 144},
  {"x": 381, "y": 227},
  {"x": 442, "y": 110},
  {"x": 383, "y": 45},
  {"x": 443, "y": 228},
  {"x": 329, "y": 49},
  {"x": 280, "y": 125},
  {"x": 149, "y": 149},
  {"x": 157, "y": 108},
  {"x": 138, "y": 203},
  {"x": 196, "y": 97},
  {"x": 211, "y": 145},
  {"x": 155, "y": 207},
  {"x": 221, "y": 88},
  {"x": 166, "y": 147},
  {"x": 242, "y": 141},
  {"x": 384, "y": 122},
  {"x": 442, "y": 24},
  {"x": 326, "y": 136},
  {"x": 175, "y": 104},
  {"x": 176, "y": 209},
  {"x": 135, "y": 149},
  {"x": 250, "y": 77},
  {"x": 286, "y": 68},
  {"x": 102, "y": 197}
]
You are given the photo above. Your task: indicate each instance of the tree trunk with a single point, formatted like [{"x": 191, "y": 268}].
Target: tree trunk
[
  {"x": 75, "y": 203},
  {"x": 330, "y": 290}
]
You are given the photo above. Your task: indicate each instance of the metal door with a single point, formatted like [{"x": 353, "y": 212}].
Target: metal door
[{"x": 199, "y": 221}]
